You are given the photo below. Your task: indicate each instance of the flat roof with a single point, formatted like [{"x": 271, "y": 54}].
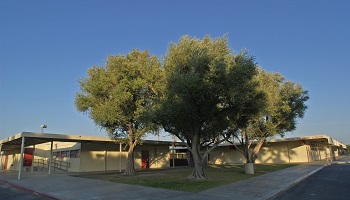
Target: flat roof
[
  {"x": 315, "y": 138},
  {"x": 319, "y": 138},
  {"x": 34, "y": 138}
]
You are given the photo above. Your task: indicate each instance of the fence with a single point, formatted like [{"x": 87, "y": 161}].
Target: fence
[{"x": 56, "y": 164}]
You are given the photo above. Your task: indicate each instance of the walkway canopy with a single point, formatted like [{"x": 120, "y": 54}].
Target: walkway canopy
[{"x": 31, "y": 138}]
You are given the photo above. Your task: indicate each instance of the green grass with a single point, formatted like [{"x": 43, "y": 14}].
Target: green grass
[{"x": 176, "y": 179}]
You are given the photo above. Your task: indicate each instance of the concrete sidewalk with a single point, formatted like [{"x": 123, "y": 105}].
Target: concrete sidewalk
[{"x": 61, "y": 186}]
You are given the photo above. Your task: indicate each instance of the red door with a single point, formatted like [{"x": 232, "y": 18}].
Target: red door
[
  {"x": 145, "y": 159},
  {"x": 28, "y": 157}
]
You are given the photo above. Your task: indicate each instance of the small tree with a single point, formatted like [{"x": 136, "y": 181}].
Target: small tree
[
  {"x": 285, "y": 104},
  {"x": 347, "y": 151},
  {"x": 204, "y": 78},
  {"x": 118, "y": 96}
]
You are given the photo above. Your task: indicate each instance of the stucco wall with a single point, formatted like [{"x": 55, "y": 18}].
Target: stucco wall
[
  {"x": 92, "y": 161},
  {"x": 97, "y": 157},
  {"x": 13, "y": 160},
  {"x": 116, "y": 160},
  {"x": 225, "y": 155},
  {"x": 158, "y": 156},
  {"x": 277, "y": 152},
  {"x": 298, "y": 152},
  {"x": 273, "y": 153},
  {"x": 101, "y": 157},
  {"x": 283, "y": 152}
]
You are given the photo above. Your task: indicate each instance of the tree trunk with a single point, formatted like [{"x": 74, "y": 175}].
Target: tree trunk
[
  {"x": 254, "y": 154},
  {"x": 246, "y": 147},
  {"x": 249, "y": 166},
  {"x": 198, "y": 171},
  {"x": 189, "y": 159},
  {"x": 130, "y": 168}
]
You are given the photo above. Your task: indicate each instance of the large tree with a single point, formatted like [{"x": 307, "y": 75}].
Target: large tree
[
  {"x": 118, "y": 95},
  {"x": 204, "y": 81},
  {"x": 285, "y": 105}
]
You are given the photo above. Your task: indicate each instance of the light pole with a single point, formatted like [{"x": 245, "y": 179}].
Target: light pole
[{"x": 42, "y": 128}]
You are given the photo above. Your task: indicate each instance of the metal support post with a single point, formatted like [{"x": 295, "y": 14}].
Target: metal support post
[
  {"x": 50, "y": 161},
  {"x": 120, "y": 157},
  {"x": 21, "y": 158},
  {"x": 32, "y": 167}
]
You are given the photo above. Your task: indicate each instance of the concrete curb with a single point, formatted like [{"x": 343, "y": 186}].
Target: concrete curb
[
  {"x": 274, "y": 193},
  {"x": 29, "y": 191},
  {"x": 341, "y": 162}
]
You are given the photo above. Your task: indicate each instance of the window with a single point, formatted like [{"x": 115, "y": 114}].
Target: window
[
  {"x": 56, "y": 154},
  {"x": 74, "y": 153},
  {"x": 64, "y": 154}
]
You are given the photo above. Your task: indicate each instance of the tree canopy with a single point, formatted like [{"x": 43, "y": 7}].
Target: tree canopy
[
  {"x": 206, "y": 83},
  {"x": 284, "y": 105},
  {"x": 118, "y": 95},
  {"x": 202, "y": 93}
]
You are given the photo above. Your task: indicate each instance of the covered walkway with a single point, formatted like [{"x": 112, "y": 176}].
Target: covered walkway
[{"x": 25, "y": 139}]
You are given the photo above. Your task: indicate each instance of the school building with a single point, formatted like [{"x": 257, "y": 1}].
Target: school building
[
  {"x": 28, "y": 151},
  {"x": 285, "y": 150}
]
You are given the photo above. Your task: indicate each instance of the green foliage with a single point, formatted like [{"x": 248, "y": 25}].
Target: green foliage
[
  {"x": 203, "y": 95},
  {"x": 285, "y": 104},
  {"x": 206, "y": 83},
  {"x": 207, "y": 87},
  {"x": 118, "y": 95},
  {"x": 347, "y": 151},
  {"x": 196, "y": 71},
  {"x": 246, "y": 100}
]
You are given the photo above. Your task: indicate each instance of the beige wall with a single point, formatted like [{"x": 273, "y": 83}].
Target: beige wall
[
  {"x": 320, "y": 151},
  {"x": 298, "y": 152},
  {"x": 116, "y": 160},
  {"x": 97, "y": 157},
  {"x": 158, "y": 156},
  {"x": 92, "y": 161},
  {"x": 13, "y": 160},
  {"x": 283, "y": 152},
  {"x": 225, "y": 155},
  {"x": 101, "y": 157},
  {"x": 107, "y": 156},
  {"x": 274, "y": 152},
  {"x": 93, "y": 158},
  {"x": 74, "y": 164}
]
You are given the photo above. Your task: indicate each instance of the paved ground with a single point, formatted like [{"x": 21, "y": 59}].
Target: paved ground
[
  {"x": 61, "y": 186},
  {"x": 9, "y": 192},
  {"x": 331, "y": 182}
]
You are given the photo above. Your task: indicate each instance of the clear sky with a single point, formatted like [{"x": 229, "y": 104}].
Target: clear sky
[{"x": 47, "y": 46}]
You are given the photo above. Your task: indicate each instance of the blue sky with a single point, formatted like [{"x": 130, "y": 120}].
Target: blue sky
[{"x": 46, "y": 47}]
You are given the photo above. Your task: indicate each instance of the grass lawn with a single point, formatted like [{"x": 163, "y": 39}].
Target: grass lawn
[{"x": 175, "y": 179}]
